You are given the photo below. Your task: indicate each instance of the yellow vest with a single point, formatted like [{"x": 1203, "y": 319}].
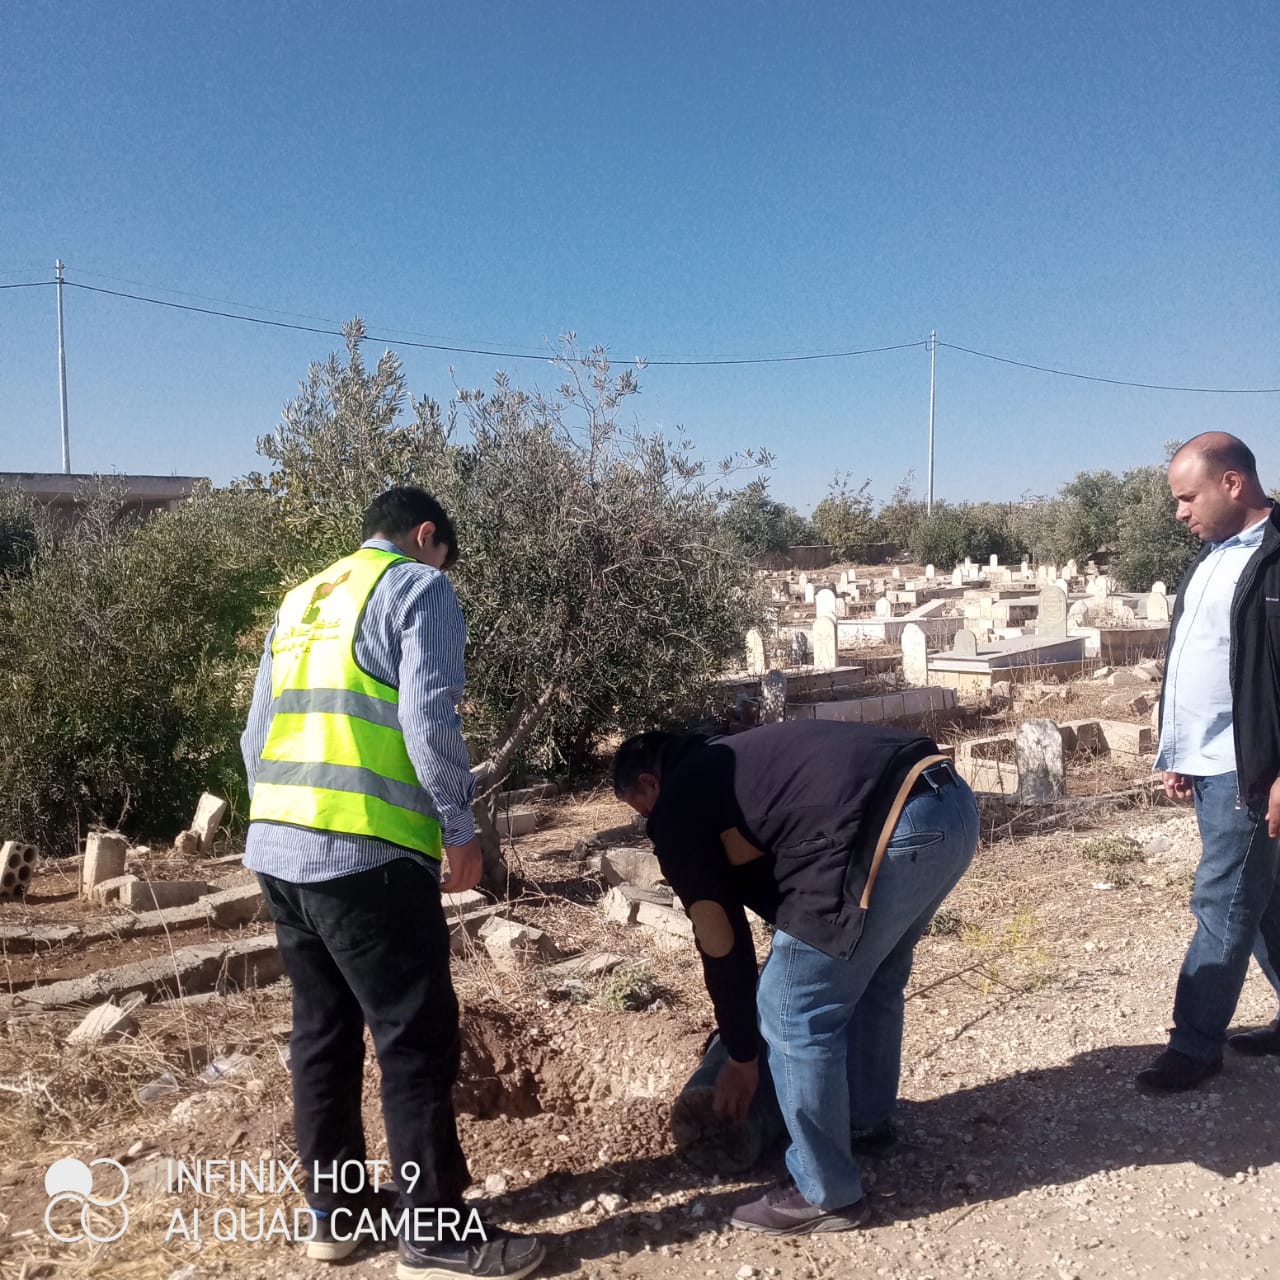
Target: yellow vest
[{"x": 335, "y": 758}]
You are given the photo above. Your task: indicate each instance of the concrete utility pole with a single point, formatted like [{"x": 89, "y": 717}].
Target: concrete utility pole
[
  {"x": 933, "y": 347},
  {"x": 62, "y": 377}
]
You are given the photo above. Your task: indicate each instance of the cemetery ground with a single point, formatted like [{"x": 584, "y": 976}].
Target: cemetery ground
[{"x": 1044, "y": 985}]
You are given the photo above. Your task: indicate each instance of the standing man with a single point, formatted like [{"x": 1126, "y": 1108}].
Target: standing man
[
  {"x": 1220, "y": 745},
  {"x": 360, "y": 783},
  {"x": 800, "y": 821}
]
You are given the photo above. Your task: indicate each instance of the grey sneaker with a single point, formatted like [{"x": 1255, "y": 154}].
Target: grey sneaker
[
  {"x": 503, "y": 1256},
  {"x": 783, "y": 1211}
]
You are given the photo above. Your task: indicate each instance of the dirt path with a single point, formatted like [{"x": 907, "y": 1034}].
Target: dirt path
[{"x": 1026, "y": 1151}]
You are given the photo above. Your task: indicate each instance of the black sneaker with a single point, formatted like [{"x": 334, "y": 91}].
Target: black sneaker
[
  {"x": 1176, "y": 1072},
  {"x": 1258, "y": 1043},
  {"x": 874, "y": 1142},
  {"x": 504, "y": 1256},
  {"x": 323, "y": 1246}
]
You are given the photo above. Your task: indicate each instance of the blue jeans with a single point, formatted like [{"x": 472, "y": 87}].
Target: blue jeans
[
  {"x": 1236, "y": 903},
  {"x": 834, "y": 1027}
]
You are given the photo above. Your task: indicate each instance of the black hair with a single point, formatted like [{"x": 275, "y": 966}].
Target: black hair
[
  {"x": 640, "y": 754},
  {"x": 1231, "y": 455},
  {"x": 398, "y": 510}
]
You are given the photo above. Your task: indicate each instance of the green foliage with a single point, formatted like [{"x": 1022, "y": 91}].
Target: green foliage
[
  {"x": 1151, "y": 543},
  {"x": 845, "y": 517},
  {"x": 951, "y": 533},
  {"x": 127, "y": 665},
  {"x": 760, "y": 524},
  {"x": 19, "y": 534},
  {"x": 898, "y": 519},
  {"x": 629, "y": 989},
  {"x": 1112, "y": 851},
  {"x": 600, "y": 587}
]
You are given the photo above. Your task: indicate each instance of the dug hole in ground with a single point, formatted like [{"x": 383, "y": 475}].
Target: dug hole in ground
[{"x": 1046, "y": 983}]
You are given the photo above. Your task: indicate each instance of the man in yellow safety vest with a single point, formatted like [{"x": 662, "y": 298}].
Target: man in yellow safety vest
[{"x": 361, "y": 787}]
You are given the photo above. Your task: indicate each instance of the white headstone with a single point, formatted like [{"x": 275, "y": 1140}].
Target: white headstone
[
  {"x": 1157, "y": 607},
  {"x": 994, "y": 562},
  {"x": 915, "y": 656},
  {"x": 755, "y": 653},
  {"x": 1026, "y": 567},
  {"x": 824, "y": 643},
  {"x": 1078, "y": 614},
  {"x": 809, "y": 593},
  {"x": 844, "y": 577},
  {"x": 773, "y": 698},
  {"x": 930, "y": 572},
  {"x": 1071, "y": 569},
  {"x": 1042, "y": 573},
  {"x": 883, "y": 608},
  {"x": 842, "y": 607},
  {"x": 1041, "y": 770},
  {"x": 1101, "y": 586},
  {"x": 853, "y": 575},
  {"x": 965, "y": 645},
  {"x": 957, "y": 577},
  {"x": 825, "y": 602},
  {"x": 803, "y": 579},
  {"x": 1052, "y": 615},
  {"x": 1158, "y": 588},
  {"x": 897, "y": 574},
  {"x": 1065, "y": 585}
]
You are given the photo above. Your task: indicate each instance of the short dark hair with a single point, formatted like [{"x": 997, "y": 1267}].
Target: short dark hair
[
  {"x": 1230, "y": 454},
  {"x": 640, "y": 754},
  {"x": 404, "y": 507}
]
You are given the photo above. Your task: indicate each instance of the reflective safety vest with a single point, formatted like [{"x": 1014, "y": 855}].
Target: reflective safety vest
[{"x": 335, "y": 757}]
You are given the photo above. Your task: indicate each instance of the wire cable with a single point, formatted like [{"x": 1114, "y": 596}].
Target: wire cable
[
  {"x": 30, "y": 284},
  {"x": 1116, "y": 382}
]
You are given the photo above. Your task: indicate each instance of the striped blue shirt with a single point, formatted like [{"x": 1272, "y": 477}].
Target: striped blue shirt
[
  {"x": 1196, "y": 736},
  {"x": 412, "y": 636}
]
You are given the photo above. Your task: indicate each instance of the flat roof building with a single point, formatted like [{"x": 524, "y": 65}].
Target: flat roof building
[{"x": 63, "y": 495}]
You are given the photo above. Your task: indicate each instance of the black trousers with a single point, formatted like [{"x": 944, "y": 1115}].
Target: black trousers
[{"x": 372, "y": 948}]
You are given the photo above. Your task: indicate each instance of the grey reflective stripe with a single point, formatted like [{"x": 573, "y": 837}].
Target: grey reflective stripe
[
  {"x": 346, "y": 777},
  {"x": 342, "y": 702}
]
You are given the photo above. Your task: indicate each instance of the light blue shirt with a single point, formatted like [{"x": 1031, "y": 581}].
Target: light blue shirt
[
  {"x": 412, "y": 636},
  {"x": 1195, "y": 735}
]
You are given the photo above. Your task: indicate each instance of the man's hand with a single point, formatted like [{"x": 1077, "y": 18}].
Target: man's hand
[
  {"x": 465, "y": 865},
  {"x": 1177, "y": 786},
  {"x": 1273, "y": 811},
  {"x": 735, "y": 1087}
]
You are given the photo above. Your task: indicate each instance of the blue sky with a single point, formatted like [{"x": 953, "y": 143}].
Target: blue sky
[{"x": 1092, "y": 186}]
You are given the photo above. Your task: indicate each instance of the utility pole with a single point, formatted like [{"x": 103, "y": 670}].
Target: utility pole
[
  {"x": 62, "y": 377},
  {"x": 933, "y": 347}
]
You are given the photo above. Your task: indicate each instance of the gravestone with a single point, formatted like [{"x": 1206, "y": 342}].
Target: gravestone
[
  {"x": 1157, "y": 607},
  {"x": 809, "y": 593},
  {"x": 773, "y": 698},
  {"x": 825, "y": 602},
  {"x": 799, "y": 649},
  {"x": 1041, "y": 770},
  {"x": 965, "y": 644},
  {"x": 1100, "y": 587},
  {"x": 897, "y": 574},
  {"x": 957, "y": 577},
  {"x": 1064, "y": 586},
  {"x": 824, "y": 643},
  {"x": 853, "y": 575},
  {"x": 883, "y": 608},
  {"x": 1052, "y": 614},
  {"x": 755, "y": 653},
  {"x": 915, "y": 655},
  {"x": 994, "y": 562},
  {"x": 1026, "y": 567},
  {"x": 803, "y": 579},
  {"x": 1158, "y": 587},
  {"x": 842, "y": 607},
  {"x": 930, "y": 572},
  {"x": 1042, "y": 573},
  {"x": 1071, "y": 570}
]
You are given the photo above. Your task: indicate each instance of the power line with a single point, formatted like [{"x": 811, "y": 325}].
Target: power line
[
  {"x": 1117, "y": 382},
  {"x": 473, "y": 351},
  {"x": 802, "y": 357}
]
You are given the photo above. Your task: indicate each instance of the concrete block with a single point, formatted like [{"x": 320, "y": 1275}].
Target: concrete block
[
  {"x": 106, "y": 891},
  {"x": 669, "y": 921},
  {"x": 211, "y": 811},
  {"x": 104, "y": 856},
  {"x": 622, "y": 902},
  {"x": 17, "y": 865},
  {"x": 516, "y": 822},
  {"x": 36, "y": 937},
  {"x": 105, "y": 1023},
  {"x": 1085, "y": 737},
  {"x": 631, "y": 866},
  {"x": 996, "y": 748},
  {"x": 464, "y": 928},
  {"x": 1127, "y": 679},
  {"x": 1127, "y": 739},
  {"x": 156, "y": 895},
  {"x": 512, "y": 946},
  {"x": 997, "y": 776},
  {"x": 230, "y": 908}
]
